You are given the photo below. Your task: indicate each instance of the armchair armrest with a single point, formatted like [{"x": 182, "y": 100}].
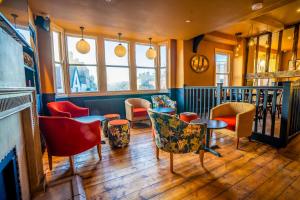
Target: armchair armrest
[
  {"x": 129, "y": 110},
  {"x": 77, "y": 111},
  {"x": 244, "y": 123},
  {"x": 55, "y": 112}
]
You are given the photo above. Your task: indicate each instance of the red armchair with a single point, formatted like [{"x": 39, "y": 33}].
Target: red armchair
[
  {"x": 68, "y": 137},
  {"x": 66, "y": 109}
]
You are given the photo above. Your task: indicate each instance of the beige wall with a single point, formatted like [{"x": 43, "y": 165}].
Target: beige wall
[{"x": 206, "y": 48}]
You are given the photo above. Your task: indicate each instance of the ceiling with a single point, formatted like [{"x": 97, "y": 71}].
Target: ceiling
[
  {"x": 273, "y": 20},
  {"x": 160, "y": 19}
]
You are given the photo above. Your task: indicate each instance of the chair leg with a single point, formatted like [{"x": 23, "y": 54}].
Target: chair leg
[
  {"x": 71, "y": 164},
  {"x": 201, "y": 156},
  {"x": 99, "y": 151},
  {"x": 157, "y": 152},
  {"x": 249, "y": 138},
  {"x": 171, "y": 162},
  {"x": 237, "y": 143},
  {"x": 50, "y": 161}
]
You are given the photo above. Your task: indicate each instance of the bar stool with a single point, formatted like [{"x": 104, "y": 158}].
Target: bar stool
[
  {"x": 118, "y": 133},
  {"x": 108, "y": 118},
  {"x": 188, "y": 116}
]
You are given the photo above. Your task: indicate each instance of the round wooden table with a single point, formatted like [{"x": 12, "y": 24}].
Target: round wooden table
[{"x": 211, "y": 125}]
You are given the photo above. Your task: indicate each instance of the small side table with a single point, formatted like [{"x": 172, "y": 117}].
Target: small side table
[{"x": 211, "y": 125}]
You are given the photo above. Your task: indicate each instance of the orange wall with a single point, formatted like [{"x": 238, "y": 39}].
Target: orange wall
[{"x": 206, "y": 48}]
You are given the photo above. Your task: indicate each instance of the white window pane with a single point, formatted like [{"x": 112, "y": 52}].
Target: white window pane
[
  {"x": 78, "y": 58},
  {"x": 163, "y": 56},
  {"x": 146, "y": 79},
  {"x": 110, "y": 56},
  {"x": 83, "y": 78},
  {"x": 222, "y": 78},
  {"x": 56, "y": 46},
  {"x": 140, "y": 56},
  {"x": 26, "y": 34},
  {"x": 117, "y": 78},
  {"x": 221, "y": 63},
  {"x": 59, "y": 81},
  {"x": 163, "y": 78}
]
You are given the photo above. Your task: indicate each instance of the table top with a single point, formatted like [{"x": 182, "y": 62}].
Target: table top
[
  {"x": 164, "y": 110},
  {"x": 90, "y": 118},
  {"x": 211, "y": 124}
]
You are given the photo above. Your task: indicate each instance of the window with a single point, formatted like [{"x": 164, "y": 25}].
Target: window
[
  {"x": 25, "y": 33},
  {"x": 117, "y": 68},
  {"x": 82, "y": 67},
  {"x": 222, "y": 68},
  {"x": 145, "y": 69},
  {"x": 163, "y": 67},
  {"x": 57, "y": 57}
]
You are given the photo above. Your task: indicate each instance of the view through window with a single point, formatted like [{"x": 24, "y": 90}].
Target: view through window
[
  {"x": 82, "y": 67},
  {"x": 145, "y": 68},
  {"x": 117, "y": 68}
]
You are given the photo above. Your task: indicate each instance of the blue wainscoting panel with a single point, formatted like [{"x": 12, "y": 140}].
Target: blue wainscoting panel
[
  {"x": 100, "y": 105},
  {"x": 179, "y": 93}
]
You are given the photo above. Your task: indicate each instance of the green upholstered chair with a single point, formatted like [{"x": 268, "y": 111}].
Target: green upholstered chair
[
  {"x": 176, "y": 136},
  {"x": 163, "y": 101}
]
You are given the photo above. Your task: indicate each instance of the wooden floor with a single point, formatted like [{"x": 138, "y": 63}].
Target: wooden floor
[{"x": 256, "y": 171}]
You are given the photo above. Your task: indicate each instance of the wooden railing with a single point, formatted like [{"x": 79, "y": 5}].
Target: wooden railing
[{"x": 274, "y": 123}]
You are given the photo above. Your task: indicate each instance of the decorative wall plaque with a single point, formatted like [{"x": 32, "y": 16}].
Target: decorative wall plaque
[{"x": 199, "y": 63}]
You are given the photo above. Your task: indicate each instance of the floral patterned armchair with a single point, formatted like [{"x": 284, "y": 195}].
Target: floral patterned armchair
[
  {"x": 163, "y": 101},
  {"x": 176, "y": 136}
]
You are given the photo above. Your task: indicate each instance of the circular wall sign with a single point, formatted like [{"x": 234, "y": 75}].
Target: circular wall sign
[{"x": 199, "y": 63}]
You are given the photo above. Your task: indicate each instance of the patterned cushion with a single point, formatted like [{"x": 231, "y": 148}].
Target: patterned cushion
[
  {"x": 140, "y": 112},
  {"x": 176, "y": 136}
]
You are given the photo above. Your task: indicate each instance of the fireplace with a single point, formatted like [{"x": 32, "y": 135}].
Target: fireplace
[{"x": 9, "y": 177}]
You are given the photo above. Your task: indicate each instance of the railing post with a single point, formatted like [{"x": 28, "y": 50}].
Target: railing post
[
  {"x": 219, "y": 93},
  {"x": 285, "y": 113}
]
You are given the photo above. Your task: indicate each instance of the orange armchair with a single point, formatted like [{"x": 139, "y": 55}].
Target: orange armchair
[
  {"x": 66, "y": 109},
  {"x": 68, "y": 137}
]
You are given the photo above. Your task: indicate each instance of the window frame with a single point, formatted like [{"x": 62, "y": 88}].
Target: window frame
[
  {"x": 157, "y": 87},
  {"x": 101, "y": 66},
  {"x": 87, "y": 93},
  {"x": 166, "y": 67},
  {"x": 229, "y": 62},
  {"x": 118, "y": 66},
  {"x": 62, "y": 59}
]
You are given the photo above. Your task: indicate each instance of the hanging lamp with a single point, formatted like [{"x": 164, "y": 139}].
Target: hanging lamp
[
  {"x": 120, "y": 50},
  {"x": 151, "y": 53},
  {"x": 82, "y": 46}
]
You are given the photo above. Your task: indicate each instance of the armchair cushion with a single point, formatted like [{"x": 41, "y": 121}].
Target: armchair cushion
[
  {"x": 230, "y": 120},
  {"x": 140, "y": 112},
  {"x": 163, "y": 101}
]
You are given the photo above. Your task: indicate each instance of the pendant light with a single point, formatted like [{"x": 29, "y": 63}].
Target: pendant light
[
  {"x": 151, "y": 53},
  {"x": 120, "y": 50},
  {"x": 82, "y": 46}
]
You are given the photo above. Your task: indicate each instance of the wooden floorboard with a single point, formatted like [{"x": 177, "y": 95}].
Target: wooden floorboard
[{"x": 255, "y": 171}]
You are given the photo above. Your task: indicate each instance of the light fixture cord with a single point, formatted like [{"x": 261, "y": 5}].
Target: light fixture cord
[
  {"x": 119, "y": 36},
  {"x": 81, "y": 28},
  {"x": 150, "y": 39}
]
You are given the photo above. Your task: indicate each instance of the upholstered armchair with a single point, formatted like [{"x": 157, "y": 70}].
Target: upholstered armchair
[
  {"x": 239, "y": 117},
  {"x": 176, "y": 136},
  {"x": 163, "y": 101},
  {"x": 136, "y": 109},
  {"x": 66, "y": 109},
  {"x": 67, "y": 137}
]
